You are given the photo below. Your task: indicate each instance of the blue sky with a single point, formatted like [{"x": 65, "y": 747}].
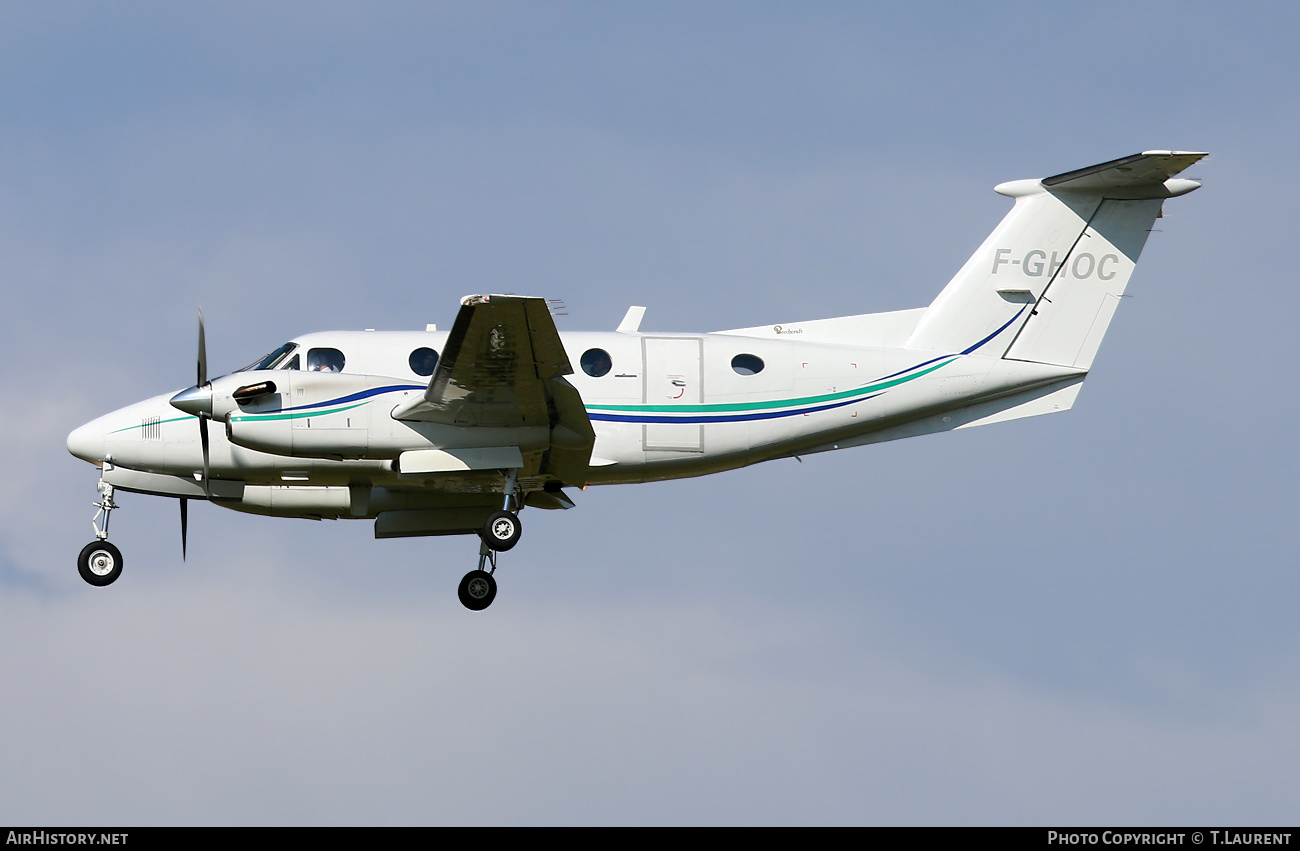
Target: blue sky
[{"x": 1063, "y": 620}]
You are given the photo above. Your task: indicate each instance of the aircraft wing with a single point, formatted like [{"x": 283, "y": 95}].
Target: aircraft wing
[{"x": 503, "y": 367}]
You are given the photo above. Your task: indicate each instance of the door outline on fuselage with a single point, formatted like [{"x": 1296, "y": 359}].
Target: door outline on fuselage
[{"x": 667, "y": 363}]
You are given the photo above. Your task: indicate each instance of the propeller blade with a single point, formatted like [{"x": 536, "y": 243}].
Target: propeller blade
[
  {"x": 203, "y": 354},
  {"x": 203, "y": 417},
  {"x": 185, "y": 524},
  {"x": 203, "y": 440}
]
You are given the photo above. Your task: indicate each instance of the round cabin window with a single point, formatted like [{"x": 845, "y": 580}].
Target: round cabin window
[
  {"x": 596, "y": 362},
  {"x": 423, "y": 360},
  {"x": 747, "y": 364}
]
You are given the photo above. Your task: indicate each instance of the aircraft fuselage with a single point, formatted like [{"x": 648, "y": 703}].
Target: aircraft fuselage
[{"x": 668, "y": 406}]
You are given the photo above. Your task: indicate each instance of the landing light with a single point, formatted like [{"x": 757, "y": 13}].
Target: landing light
[{"x": 252, "y": 391}]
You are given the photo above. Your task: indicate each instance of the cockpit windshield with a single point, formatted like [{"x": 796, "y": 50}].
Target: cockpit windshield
[{"x": 273, "y": 360}]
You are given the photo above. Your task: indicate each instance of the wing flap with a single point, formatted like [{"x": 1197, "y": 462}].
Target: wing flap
[
  {"x": 431, "y": 521},
  {"x": 424, "y": 461}
]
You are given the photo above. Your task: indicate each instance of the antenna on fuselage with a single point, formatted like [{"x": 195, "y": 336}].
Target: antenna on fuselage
[{"x": 631, "y": 323}]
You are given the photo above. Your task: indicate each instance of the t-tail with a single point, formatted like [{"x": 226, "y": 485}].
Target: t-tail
[{"x": 1044, "y": 285}]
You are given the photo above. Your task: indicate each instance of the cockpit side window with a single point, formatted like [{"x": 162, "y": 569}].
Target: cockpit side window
[
  {"x": 324, "y": 360},
  {"x": 272, "y": 360}
]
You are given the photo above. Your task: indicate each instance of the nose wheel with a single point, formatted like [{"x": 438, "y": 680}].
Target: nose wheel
[{"x": 100, "y": 563}]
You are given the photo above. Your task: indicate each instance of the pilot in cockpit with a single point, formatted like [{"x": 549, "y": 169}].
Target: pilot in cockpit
[{"x": 325, "y": 360}]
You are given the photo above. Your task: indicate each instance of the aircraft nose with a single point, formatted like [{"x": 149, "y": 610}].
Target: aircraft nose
[{"x": 87, "y": 442}]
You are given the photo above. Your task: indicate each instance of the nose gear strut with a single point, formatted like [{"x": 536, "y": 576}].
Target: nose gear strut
[
  {"x": 99, "y": 524},
  {"x": 99, "y": 562}
]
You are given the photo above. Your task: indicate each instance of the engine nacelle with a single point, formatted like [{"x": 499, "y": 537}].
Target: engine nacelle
[
  {"x": 341, "y": 415},
  {"x": 305, "y": 414}
]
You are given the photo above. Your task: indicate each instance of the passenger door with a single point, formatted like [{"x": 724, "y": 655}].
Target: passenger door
[{"x": 673, "y": 379}]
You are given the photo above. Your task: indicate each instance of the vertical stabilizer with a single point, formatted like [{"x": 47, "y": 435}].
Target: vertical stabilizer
[{"x": 1046, "y": 282}]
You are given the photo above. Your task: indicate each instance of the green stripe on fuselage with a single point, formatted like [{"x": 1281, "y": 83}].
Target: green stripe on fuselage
[
  {"x": 767, "y": 406},
  {"x": 647, "y": 409},
  {"x": 294, "y": 415},
  {"x": 160, "y": 422}
]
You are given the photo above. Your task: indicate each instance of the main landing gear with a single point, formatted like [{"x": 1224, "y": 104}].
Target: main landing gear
[
  {"x": 100, "y": 563},
  {"x": 501, "y": 532}
]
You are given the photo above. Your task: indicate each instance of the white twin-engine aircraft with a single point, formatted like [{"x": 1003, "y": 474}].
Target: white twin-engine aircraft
[{"x": 437, "y": 433}]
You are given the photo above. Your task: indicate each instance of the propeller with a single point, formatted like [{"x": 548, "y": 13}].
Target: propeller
[
  {"x": 197, "y": 401},
  {"x": 204, "y": 416}
]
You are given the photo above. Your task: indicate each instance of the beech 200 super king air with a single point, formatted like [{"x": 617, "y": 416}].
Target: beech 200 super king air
[{"x": 454, "y": 433}]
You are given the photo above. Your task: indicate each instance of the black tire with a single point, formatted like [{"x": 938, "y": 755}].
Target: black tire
[
  {"x": 477, "y": 590},
  {"x": 501, "y": 531},
  {"x": 100, "y": 563}
]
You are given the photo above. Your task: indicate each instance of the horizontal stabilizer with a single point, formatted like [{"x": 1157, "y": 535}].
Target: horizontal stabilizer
[{"x": 1139, "y": 171}]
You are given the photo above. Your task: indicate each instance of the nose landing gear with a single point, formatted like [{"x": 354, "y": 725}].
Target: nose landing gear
[{"x": 100, "y": 563}]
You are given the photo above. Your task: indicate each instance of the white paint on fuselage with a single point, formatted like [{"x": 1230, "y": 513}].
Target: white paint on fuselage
[{"x": 795, "y": 368}]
